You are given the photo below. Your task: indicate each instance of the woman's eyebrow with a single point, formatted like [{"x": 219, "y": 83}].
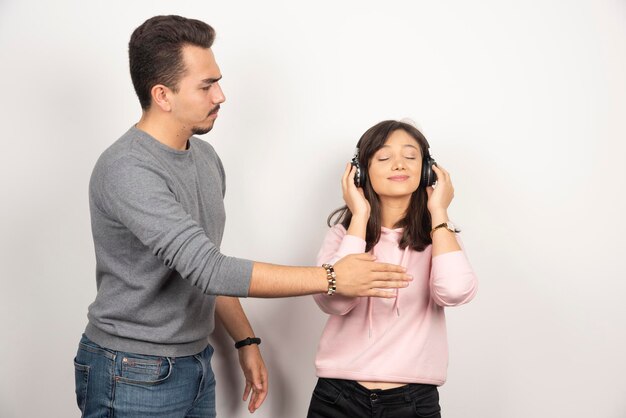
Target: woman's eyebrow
[{"x": 403, "y": 146}]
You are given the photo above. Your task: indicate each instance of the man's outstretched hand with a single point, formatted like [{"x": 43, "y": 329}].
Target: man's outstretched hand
[{"x": 360, "y": 275}]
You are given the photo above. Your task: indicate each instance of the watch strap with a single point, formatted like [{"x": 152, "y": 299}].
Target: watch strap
[
  {"x": 248, "y": 341},
  {"x": 447, "y": 225}
]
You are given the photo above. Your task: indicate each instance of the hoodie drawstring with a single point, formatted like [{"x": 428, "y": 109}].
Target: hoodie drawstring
[
  {"x": 403, "y": 263},
  {"x": 370, "y": 301},
  {"x": 396, "y": 305}
]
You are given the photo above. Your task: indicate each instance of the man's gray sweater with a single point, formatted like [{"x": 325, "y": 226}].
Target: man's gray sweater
[{"x": 157, "y": 217}]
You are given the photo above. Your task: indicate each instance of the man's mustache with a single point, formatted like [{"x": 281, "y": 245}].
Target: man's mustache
[{"x": 214, "y": 110}]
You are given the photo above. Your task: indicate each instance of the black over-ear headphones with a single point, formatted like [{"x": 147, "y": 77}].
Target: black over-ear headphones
[{"x": 428, "y": 178}]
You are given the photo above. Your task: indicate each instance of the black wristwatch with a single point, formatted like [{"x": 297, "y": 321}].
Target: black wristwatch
[{"x": 247, "y": 341}]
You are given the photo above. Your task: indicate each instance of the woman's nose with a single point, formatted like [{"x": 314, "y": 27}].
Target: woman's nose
[{"x": 397, "y": 164}]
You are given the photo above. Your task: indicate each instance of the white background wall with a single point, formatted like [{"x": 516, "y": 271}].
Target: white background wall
[{"x": 523, "y": 102}]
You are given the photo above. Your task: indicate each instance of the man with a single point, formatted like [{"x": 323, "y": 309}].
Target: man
[{"x": 157, "y": 213}]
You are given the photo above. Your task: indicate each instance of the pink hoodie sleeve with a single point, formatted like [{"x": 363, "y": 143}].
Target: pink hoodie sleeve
[
  {"x": 337, "y": 244},
  {"x": 452, "y": 279}
]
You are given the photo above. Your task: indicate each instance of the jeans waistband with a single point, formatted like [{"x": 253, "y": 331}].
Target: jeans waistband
[
  {"x": 405, "y": 392},
  {"x": 87, "y": 344}
]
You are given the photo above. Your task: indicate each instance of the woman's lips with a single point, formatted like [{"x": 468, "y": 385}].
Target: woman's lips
[{"x": 398, "y": 178}]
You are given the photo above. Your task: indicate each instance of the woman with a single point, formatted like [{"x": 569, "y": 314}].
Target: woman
[{"x": 386, "y": 356}]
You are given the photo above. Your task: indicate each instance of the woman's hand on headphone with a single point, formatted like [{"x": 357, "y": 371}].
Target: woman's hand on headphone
[
  {"x": 352, "y": 195},
  {"x": 439, "y": 197}
]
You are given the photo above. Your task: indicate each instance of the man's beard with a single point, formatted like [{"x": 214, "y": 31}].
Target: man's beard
[{"x": 197, "y": 130}]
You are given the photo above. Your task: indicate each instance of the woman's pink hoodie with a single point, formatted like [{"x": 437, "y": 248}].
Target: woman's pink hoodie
[{"x": 399, "y": 340}]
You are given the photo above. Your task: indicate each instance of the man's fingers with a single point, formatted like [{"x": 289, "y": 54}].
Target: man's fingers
[
  {"x": 259, "y": 390},
  {"x": 388, "y": 268},
  {"x": 377, "y": 293},
  {"x": 260, "y": 398},
  {"x": 387, "y": 276},
  {"x": 247, "y": 390},
  {"x": 365, "y": 257},
  {"x": 389, "y": 284},
  {"x": 251, "y": 404},
  {"x": 256, "y": 380},
  {"x": 257, "y": 398}
]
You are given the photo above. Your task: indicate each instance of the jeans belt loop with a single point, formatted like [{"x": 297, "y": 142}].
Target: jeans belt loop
[{"x": 407, "y": 393}]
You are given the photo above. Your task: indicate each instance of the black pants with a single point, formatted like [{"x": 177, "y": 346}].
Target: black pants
[{"x": 337, "y": 398}]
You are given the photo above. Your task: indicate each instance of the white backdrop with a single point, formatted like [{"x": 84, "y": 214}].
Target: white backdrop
[{"x": 523, "y": 102}]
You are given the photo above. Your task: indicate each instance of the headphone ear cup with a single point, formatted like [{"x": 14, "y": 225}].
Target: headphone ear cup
[
  {"x": 359, "y": 175},
  {"x": 363, "y": 178},
  {"x": 429, "y": 177}
]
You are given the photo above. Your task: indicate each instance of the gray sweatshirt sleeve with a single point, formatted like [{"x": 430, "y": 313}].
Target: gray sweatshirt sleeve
[{"x": 137, "y": 195}]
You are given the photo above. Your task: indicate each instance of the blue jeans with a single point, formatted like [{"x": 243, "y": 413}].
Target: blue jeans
[
  {"x": 126, "y": 385},
  {"x": 338, "y": 398}
]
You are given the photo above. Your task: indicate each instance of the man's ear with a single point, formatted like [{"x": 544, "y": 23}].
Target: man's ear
[{"x": 161, "y": 97}]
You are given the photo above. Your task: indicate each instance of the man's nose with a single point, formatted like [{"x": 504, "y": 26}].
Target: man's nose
[{"x": 218, "y": 95}]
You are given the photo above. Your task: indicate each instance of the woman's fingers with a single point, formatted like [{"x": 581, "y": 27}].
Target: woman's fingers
[
  {"x": 442, "y": 173},
  {"x": 345, "y": 176}
]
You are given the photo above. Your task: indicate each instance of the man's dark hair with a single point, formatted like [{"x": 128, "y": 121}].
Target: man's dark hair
[
  {"x": 416, "y": 223},
  {"x": 155, "y": 52}
]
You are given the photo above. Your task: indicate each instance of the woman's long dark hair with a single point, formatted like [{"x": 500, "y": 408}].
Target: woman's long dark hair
[{"x": 417, "y": 223}]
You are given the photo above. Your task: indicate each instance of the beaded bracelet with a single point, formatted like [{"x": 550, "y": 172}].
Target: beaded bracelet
[{"x": 332, "y": 279}]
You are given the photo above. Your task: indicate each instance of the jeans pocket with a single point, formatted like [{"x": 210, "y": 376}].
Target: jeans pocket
[
  {"x": 81, "y": 376},
  {"x": 427, "y": 404},
  {"x": 326, "y": 391},
  {"x": 144, "y": 370}
]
